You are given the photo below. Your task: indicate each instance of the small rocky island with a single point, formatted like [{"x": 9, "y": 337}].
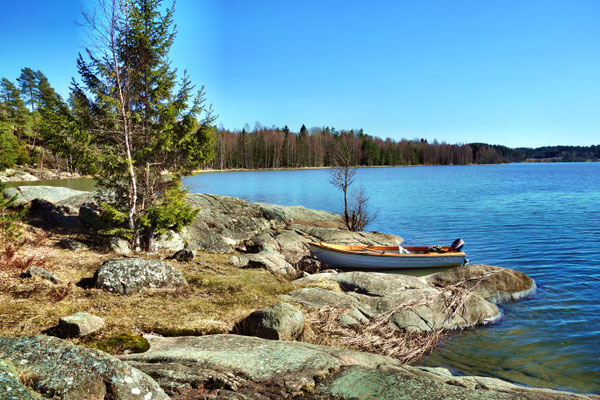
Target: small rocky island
[{"x": 232, "y": 307}]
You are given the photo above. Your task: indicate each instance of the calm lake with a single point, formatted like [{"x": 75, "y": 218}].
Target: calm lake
[{"x": 541, "y": 219}]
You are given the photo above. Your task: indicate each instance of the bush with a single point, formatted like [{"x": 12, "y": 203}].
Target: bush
[{"x": 10, "y": 228}]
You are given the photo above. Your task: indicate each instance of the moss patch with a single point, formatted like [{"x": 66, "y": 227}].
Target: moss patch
[{"x": 124, "y": 343}]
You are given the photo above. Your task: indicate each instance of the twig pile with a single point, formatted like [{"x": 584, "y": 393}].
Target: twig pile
[{"x": 379, "y": 335}]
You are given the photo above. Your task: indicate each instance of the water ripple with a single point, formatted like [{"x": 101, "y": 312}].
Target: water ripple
[{"x": 541, "y": 219}]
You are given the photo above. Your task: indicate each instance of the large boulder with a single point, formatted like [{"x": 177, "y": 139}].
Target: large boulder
[
  {"x": 281, "y": 321},
  {"x": 241, "y": 367},
  {"x": 371, "y": 283},
  {"x": 293, "y": 244},
  {"x": 127, "y": 275},
  {"x": 60, "y": 370},
  {"x": 495, "y": 284},
  {"x": 224, "y": 217}
]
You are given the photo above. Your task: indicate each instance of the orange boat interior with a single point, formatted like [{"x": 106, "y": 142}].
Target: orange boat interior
[{"x": 387, "y": 250}]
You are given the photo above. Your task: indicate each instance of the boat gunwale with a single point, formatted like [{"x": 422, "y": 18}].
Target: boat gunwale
[{"x": 374, "y": 252}]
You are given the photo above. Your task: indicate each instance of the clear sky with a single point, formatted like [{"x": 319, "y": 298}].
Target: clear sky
[{"x": 518, "y": 73}]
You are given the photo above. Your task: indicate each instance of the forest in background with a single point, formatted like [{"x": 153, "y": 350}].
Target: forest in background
[{"x": 30, "y": 106}]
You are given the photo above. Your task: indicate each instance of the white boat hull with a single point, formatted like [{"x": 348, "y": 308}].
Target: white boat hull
[{"x": 336, "y": 259}]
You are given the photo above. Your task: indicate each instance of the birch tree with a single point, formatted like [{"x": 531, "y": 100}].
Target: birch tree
[{"x": 143, "y": 121}]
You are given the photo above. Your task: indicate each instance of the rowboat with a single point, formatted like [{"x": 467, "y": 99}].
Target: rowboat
[{"x": 390, "y": 257}]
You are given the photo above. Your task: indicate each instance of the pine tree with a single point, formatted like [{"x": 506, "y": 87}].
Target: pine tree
[
  {"x": 13, "y": 109},
  {"x": 141, "y": 121}
]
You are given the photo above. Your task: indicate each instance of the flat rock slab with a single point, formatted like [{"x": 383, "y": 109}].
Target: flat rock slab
[
  {"x": 290, "y": 366},
  {"x": 53, "y": 194},
  {"x": 240, "y": 367},
  {"x": 58, "y": 369},
  {"x": 129, "y": 275}
]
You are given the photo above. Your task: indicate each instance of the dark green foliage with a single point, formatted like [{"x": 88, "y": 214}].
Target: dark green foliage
[
  {"x": 9, "y": 227},
  {"x": 171, "y": 213},
  {"x": 28, "y": 85},
  {"x": 9, "y": 147},
  {"x": 137, "y": 120}
]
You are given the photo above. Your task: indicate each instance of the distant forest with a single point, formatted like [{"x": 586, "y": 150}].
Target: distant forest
[
  {"x": 280, "y": 148},
  {"x": 30, "y": 109}
]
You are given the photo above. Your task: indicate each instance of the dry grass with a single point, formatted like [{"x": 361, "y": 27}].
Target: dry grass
[
  {"x": 219, "y": 294},
  {"x": 376, "y": 336},
  {"x": 380, "y": 336}
]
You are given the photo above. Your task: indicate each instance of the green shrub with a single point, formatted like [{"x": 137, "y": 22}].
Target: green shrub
[
  {"x": 9, "y": 226},
  {"x": 9, "y": 147}
]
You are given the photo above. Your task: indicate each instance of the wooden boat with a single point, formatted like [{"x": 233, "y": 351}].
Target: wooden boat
[{"x": 379, "y": 257}]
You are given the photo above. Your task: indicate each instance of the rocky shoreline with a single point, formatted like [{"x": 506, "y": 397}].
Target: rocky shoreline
[{"x": 268, "y": 361}]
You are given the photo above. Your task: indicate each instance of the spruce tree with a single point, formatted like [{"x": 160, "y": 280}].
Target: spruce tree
[{"x": 142, "y": 120}]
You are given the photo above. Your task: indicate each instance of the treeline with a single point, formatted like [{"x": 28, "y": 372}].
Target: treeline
[
  {"x": 275, "y": 147},
  {"x": 280, "y": 148},
  {"x": 562, "y": 153},
  {"x": 26, "y": 106},
  {"x": 30, "y": 111}
]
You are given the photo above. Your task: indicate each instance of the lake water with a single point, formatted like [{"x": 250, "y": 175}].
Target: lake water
[{"x": 541, "y": 219}]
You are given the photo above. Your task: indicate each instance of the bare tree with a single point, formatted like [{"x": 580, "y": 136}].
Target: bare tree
[
  {"x": 359, "y": 213},
  {"x": 356, "y": 211}
]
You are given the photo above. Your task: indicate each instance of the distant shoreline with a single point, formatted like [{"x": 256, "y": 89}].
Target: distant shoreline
[{"x": 50, "y": 175}]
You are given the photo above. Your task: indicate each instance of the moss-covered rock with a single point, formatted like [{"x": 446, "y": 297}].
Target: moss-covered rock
[
  {"x": 58, "y": 369},
  {"x": 126, "y": 343}
]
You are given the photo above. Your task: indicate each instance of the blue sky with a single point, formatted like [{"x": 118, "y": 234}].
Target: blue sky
[{"x": 504, "y": 72}]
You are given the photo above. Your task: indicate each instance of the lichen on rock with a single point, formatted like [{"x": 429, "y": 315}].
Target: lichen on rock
[{"x": 128, "y": 275}]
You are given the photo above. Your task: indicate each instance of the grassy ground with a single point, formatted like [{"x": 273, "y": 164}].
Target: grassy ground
[{"x": 218, "y": 295}]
